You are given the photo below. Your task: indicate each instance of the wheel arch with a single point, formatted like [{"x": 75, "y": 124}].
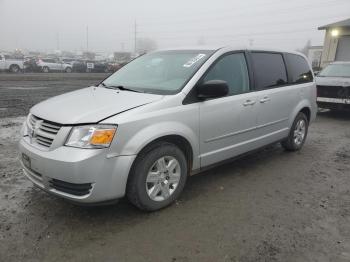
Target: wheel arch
[
  {"x": 307, "y": 112},
  {"x": 181, "y": 142},
  {"x": 305, "y": 107}
]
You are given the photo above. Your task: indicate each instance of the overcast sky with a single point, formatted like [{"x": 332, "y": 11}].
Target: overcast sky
[{"x": 50, "y": 24}]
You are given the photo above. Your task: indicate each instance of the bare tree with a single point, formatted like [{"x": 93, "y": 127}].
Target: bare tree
[{"x": 306, "y": 48}]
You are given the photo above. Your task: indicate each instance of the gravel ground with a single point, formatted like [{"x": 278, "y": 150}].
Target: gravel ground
[
  {"x": 269, "y": 206},
  {"x": 19, "y": 92}
]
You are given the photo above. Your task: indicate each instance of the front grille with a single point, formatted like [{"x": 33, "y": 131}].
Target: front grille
[
  {"x": 333, "y": 91},
  {"x": 70, "y": 188},
  {"x": 44, "y": 131}
]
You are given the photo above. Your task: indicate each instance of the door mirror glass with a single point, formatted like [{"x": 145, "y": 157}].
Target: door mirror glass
[{"x": 212, "y": 89}]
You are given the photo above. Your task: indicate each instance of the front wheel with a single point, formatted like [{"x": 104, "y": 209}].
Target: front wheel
[
  {"x": 157, "y": 177},
  {"x": 68, "y": 70},
  {"x": 297, "y": 134}
]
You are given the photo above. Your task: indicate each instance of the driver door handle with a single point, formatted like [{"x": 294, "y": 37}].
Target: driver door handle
[
  {"x": 265, "y": 99},
  {"x": 249, "y": 102}
]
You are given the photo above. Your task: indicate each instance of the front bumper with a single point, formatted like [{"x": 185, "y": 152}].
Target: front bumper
[
  {"x": 80, "y": 175},
  {"x": 334, "y": 103}
]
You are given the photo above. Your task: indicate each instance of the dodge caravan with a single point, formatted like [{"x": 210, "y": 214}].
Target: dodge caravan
[{"x": 167, "y": 114}]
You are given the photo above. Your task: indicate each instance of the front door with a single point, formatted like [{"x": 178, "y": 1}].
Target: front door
[{"x": 228, "y": 124}]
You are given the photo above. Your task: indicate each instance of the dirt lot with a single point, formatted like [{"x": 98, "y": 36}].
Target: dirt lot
[{"x": 269, "y": 206}]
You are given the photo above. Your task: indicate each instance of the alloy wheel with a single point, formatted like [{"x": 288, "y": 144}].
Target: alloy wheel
[{"x": 163, "y": 178}]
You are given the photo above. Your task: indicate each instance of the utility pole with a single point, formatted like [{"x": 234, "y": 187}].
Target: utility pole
[
  {"x": 87, "y": 38},
  {"x": 135, "y": 37},
  {"x": 58, "y": 41},
  {"x": 251, "y": 41}
]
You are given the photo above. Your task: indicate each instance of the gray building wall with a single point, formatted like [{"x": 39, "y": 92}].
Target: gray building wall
[{"x": 330, "y": 45}]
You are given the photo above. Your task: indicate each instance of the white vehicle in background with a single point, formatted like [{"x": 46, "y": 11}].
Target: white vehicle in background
[
  {"x": 53, "y": 65},
  {"x": 9, "y": 63}
]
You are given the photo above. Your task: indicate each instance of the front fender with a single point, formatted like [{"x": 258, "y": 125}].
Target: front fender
[{"x": 155, "y": 131}]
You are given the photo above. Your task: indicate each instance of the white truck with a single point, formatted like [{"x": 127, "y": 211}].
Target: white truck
[{"x": 9, "y": 63}]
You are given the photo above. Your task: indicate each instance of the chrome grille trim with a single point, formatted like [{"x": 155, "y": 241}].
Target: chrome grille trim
[{"x": 45, "y": 131}]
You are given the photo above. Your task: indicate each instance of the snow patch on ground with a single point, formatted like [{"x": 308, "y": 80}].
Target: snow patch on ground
[{"x": 10, "y": 129}]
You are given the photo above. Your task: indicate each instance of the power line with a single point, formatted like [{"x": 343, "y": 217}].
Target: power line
[
  {"x": 262, "y": 13},
  {"x": 216, "y": 28},
  {"x": 247, "y": 34}
]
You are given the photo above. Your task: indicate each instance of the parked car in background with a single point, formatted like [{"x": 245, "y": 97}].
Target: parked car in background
[
  {"x": 30, "y": 64},
  {"x": 68, "y": 60},
  {"x": 90, "y": 66},
  {"x": 163, "y": 116},
  {"x": 11, "y": 63},
  {"x": 113, "y": 67},
  {"x": 333, "y": 86},
  {"x": 53, "y": 65}
]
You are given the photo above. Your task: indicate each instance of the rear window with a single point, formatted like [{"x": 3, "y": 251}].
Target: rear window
[
  {"x": 298, "y": 69},
  {"x": 269, "y": 70}
]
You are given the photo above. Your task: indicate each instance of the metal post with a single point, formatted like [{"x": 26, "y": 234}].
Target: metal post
[{"x": 87, "y": 38}]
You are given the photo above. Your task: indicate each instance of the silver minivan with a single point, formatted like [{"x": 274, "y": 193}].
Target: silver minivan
[{"x": 167, "y": 114}]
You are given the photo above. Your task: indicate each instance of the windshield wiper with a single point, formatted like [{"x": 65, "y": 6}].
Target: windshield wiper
[{"x": 120, "y": 87}]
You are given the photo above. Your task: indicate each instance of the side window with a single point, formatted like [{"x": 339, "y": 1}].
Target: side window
[
  {"x": 269, "y": 70},
  {"x": 232, "y": 69},
  {"x": 298, "y": 69}
]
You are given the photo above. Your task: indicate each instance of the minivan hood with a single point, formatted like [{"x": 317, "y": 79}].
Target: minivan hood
[
  {"x": 90, "y": 105},
  {"x": 333, "y": 81}
]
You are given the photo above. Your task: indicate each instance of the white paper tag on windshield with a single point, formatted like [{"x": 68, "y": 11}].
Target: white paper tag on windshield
[{"x": 194, "y": 60}]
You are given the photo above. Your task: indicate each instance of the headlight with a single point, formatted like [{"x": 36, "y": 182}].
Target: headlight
[{"x": 91, "y": 136}]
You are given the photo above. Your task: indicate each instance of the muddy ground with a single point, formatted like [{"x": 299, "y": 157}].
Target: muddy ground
[{"x": 269, "y": 206}]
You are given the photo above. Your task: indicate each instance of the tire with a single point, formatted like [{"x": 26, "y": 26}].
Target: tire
[
  {"x": 14, "y": 69},
  {"x": 68, "y": 70},
  {"x": 46, "y": 69},
  {"x": 150, "y": 184},
  {"x": 297, "y": 134}
]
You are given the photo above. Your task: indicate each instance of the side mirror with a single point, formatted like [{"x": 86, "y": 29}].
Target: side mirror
[{"x": 212, "y": 89}]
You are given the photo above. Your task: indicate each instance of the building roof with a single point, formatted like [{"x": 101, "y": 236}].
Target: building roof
[{"x": 343, "y": 23}]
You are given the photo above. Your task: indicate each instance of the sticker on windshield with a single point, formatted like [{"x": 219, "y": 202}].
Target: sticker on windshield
[{"x": 194, "y": 60}]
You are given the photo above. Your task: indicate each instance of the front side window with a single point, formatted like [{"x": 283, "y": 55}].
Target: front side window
[
  {"x": 233, "y": 70},
  {"x": 298, "y": 69},
  {"x": 163, "y": 72},
  {"x": 269, "y": 70},
  {"x": 336, "y": 70}
]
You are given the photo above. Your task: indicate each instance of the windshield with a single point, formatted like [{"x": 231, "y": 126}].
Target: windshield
[
  {"x": 336, "y": 70},
  {"x": 163, "y": 72}
]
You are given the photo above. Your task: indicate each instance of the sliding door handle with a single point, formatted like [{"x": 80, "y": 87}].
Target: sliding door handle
[
  {"x": 265, "y": 99},
  {"x": 249, "y": 102}
]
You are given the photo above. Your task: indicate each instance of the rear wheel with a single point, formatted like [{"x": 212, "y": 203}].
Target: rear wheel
[
  {"x": 14, "y": 69},
  {"x": 46, "y": 69},
  {"x": 68, "y": 70},
  {"x": 297, "y": 134},
  {"x": 157, "y": 177}
]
